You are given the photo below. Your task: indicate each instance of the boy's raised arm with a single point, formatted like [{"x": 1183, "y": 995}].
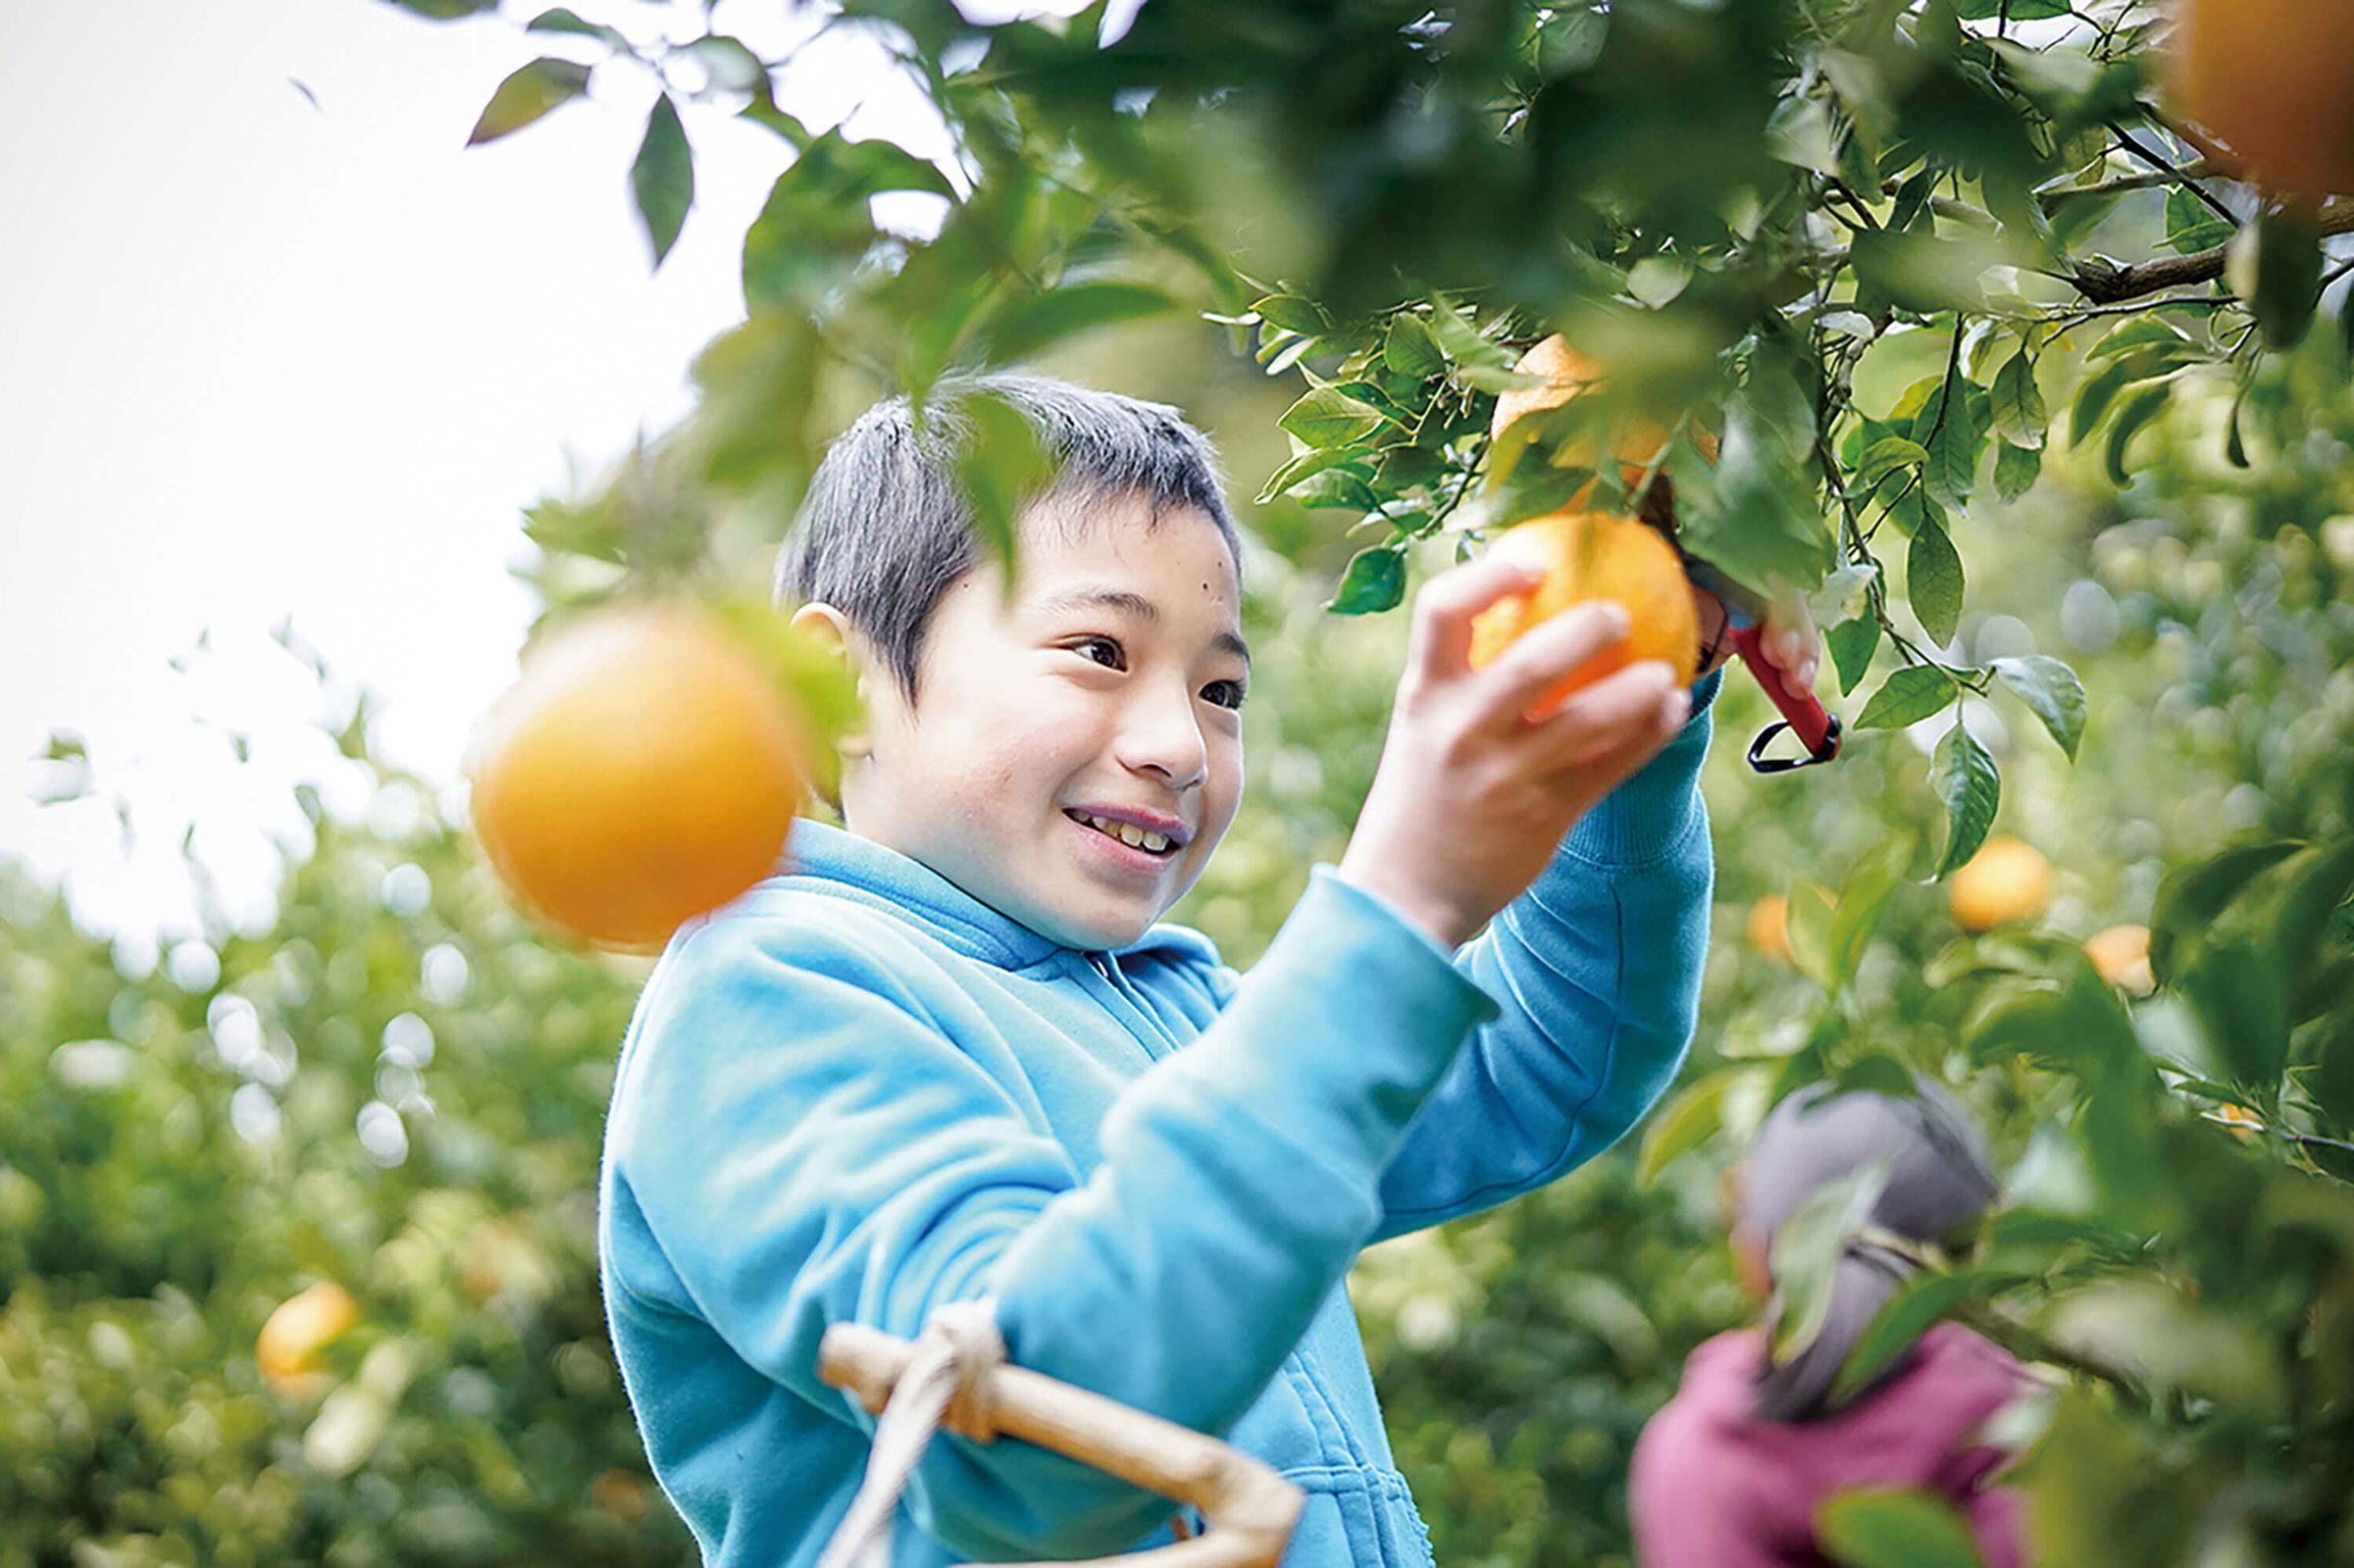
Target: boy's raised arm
[
  {"x": 809, "y": 1145},
  {"x": 1596, "y": 970}
]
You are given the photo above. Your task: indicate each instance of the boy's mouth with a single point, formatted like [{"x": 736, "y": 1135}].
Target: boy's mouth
[{"x": 1135, "y": 837}]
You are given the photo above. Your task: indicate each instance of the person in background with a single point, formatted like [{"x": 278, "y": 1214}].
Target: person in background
[{"x": 1732, "y": 1470}]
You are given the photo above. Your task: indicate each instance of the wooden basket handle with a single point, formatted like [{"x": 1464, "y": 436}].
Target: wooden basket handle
[{"x": 1250, "y": 1508}]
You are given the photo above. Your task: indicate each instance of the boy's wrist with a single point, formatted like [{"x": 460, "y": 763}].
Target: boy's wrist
[{"x": 1435, "y": 918}]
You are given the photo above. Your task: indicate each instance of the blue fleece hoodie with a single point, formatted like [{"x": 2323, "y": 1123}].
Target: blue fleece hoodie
[{"x": 858, "y": 1093}]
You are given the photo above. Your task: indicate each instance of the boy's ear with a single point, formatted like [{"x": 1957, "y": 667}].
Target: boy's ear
[{"x": 830, "y": 628}]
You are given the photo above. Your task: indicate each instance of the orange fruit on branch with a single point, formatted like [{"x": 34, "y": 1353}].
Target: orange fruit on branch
[
  {"x": 2268, "y": 86},
  {"x": 2122, "y": 955},
  {"x": 643, "y": 769},
  {"x": 303, "y": 1325},
  {"x": 1592, "y": 555},
  {"x": 1568, "y": 373},
  {"x": 2007, "y": 879}
]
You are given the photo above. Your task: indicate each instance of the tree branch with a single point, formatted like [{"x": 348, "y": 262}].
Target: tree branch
[{"x": 2107, "y": 284}]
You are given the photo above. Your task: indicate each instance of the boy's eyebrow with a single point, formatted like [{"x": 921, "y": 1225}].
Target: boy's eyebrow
[{"x": 1130, "y": 603}]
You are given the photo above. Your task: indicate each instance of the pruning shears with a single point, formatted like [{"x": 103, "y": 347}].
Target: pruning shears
[{"x": 1816, "y": 729}]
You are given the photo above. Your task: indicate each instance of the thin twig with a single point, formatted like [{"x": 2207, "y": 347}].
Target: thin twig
[{"x": 2155, "y": 161}]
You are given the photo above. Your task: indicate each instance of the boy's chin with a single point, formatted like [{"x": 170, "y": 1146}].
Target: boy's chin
[{"x": 1095, "y": 931}]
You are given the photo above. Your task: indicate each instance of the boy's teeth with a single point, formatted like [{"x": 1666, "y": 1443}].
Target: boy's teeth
[{"x": 1129, "y": 832}]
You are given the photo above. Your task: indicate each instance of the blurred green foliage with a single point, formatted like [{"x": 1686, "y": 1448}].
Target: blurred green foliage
[{"x": 1873, "y": 244}]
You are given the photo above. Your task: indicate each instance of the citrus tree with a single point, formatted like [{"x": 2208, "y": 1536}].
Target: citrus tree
[{"x": 2001, "y": 329}]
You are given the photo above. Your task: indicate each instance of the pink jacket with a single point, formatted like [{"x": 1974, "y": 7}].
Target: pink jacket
[{"x": 1714, "y": 1486}]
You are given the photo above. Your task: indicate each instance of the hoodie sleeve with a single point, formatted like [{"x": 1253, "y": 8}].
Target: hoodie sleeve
[
  {"x": 1596, "y": 968},
  {"x": 819, "y": 1130}
]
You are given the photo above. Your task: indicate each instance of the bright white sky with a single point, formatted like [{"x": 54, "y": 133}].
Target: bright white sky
[{"x": 260, "y": 359}]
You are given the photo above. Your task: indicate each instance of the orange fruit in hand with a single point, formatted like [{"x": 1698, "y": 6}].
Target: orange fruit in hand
[
  {"x": 2271, "y": 83},
  {"x": 1567, "y": 373},
  {"x": 302, "y": 1326},
  {"x": 641, "y": 771},
  {"x": 1592, "y": 555},
  {"x": 2007, "y": 879}
]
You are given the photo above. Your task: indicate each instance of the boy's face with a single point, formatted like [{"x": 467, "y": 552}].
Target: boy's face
[{"x": 1106, "y": 685}]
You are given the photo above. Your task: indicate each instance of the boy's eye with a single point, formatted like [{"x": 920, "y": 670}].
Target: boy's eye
[
  {"x": 1086, "y": 650},
  {"x": 1225, "y": 693}
]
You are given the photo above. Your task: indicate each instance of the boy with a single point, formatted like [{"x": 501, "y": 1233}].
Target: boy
[{"x": 949, "y": 1054}]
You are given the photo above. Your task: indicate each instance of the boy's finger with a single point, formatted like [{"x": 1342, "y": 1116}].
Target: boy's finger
[
  {"x": 1639, "y": 707},
  {"x": 1440, "y": 644},
  {"x": 1541, "y": 656}
]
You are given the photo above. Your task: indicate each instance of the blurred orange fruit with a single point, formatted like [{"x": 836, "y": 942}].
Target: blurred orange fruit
[
  {"x": 2270, "y": 84},
  {"x": 1591, "y": 555},
  {"x": 2007, "y": 879},
  {"x": 641, "y": 771},
  {"x": 303, "y": 1325},
  {"x": 1769, "y": 927},
  {"x": 1566, "y": 374},
  {"x": 2122, "y": 954}
]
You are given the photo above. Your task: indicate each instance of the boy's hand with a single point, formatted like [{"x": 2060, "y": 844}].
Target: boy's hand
[
  {"x": 1790, "y": 642},
  {"x": 1471, "y": 797}
]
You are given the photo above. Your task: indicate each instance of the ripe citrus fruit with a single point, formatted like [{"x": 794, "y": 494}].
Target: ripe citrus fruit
[
  {"x": 2005, "y": 881},
  {"x": 1769, "y": 927},
  {"x": 641, "y": 771},
  {"x": 2122, "y": 954},
  {"x": 2271, "y": 83},
  {"x": 1591, "y": 555},
  {"x": 303, "y": 1325},
  {"x": 1566, "y": 374}
]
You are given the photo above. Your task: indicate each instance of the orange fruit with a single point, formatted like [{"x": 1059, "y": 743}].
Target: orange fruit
[
  {"x": 303, "y": 1325},
  {"x": 1567, "y": 373},
  {"x": 2122, "y": 954},
  {"x": 1591, "y": 555},
  {"x": 642, "y": 770},
  {"x": 2270, "y": 84},
  {"x": 1769, "y": 927},
  {"x": 2007, "y": 879}
]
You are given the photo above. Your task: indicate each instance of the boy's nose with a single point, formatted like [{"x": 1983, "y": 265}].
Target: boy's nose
[{"x": 1164, "y": 738}]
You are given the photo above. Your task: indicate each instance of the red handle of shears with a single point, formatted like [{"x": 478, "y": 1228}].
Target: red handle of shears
[{"x": 1816, "y": 729}]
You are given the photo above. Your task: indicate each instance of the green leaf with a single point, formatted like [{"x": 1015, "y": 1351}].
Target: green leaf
[
  {"x": 2189, "y": 899},
  {"x": 1686, "y": 1122},
  {"x": 663, "y": 177},
  {"x": 1469, "y": 350},
  {"x": 2019, "y": 417},
  {"x": 2051, "y": 688},
  {"x": 1885, "y": 456},
  {"x": 2288, "y": 277},
  {"x": 1375, "y": 580},
  {"x": 2139, "y": 410},
  {"x": 1892, "y": 1527},
  {"x": 1972, "y": 788},
  {"x": 1947, "y": 427},
  {"x": 2016, "y": 469},
  {"x": 1410, "y": 350},
  {"x": 1805, "y": 1253},
  {"x": 1933, "y": 581},
  {"x": 562, "y": 19},
  {"x": 1304, "y": 466},
  {"x": 1919, "y": 1303},
  {"x": 2192, "y": 226},
  {"x": 729, "y": 63},
  {"x": 1852, "y": 644},
  {"x": 1040, "y": 318},
  {"x": 1858, "y": 912},
  {"x": 1294, "y": 314},
  {"x": 2241, "y": 997},
  {"x": 999, "y": 467},
  {"x": 528, "y": 92},
  {"x": 447, "y": 10},
  {"x": 815, "y": 224},
  {"x": 1908, "y": 697},
  {"x": 1327, "y": 417}
]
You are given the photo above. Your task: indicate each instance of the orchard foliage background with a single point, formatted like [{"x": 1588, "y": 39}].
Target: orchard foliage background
[{"x": 2048, "y": 415}]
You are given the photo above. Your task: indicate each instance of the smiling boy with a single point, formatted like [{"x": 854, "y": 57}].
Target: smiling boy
[{"x": 951, "y": 1054}]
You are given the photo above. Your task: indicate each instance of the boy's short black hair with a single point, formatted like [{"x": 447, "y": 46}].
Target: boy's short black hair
[{"x": 886, "y": 530}]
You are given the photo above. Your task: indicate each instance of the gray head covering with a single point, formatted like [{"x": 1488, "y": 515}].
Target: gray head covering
[{"x": 1938, "y": 1179}]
